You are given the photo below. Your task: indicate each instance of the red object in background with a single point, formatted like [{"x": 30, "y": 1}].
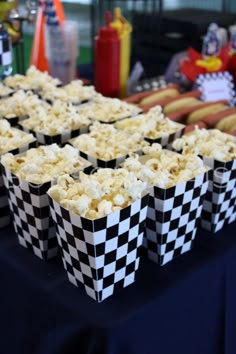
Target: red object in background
[
  {"x": 191, "y": 70},
  {"x": 107, "y": 60},
  {"x": 38, "y": 57},
  {"x": 232, "y": 67}
]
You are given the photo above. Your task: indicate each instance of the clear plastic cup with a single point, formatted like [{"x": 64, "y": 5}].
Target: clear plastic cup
[{"x": 62, "y": 43}]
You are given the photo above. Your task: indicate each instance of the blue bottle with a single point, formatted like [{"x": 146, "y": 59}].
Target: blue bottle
[{"x": 5, "y": 53}]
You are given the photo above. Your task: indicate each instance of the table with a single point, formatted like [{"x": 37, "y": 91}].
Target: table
[{"x": 186, "y": 307}]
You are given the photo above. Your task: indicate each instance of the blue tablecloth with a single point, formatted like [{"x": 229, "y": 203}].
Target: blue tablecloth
[{"x": 185, "y": 307}]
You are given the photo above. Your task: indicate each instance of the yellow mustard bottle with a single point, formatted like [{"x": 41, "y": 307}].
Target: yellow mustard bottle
[
  {"x": 5, "y": 8},
  {"x": 124, "y": 30}
]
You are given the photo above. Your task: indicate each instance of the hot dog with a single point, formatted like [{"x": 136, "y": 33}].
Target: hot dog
[
  {"x": 166, "y": 91},
  {"x": 200, "y": 113},
  {"x": 193, "y": 95},
  {"x": 228, "y": 123},
  {"x": 181, "y": 114},
  {"x": 212, "y": 119},
  {"x": 191, "y": 127}
]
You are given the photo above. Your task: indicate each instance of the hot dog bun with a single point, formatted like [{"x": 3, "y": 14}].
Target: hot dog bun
[
  {"x": 181, "y": 103},
  {"x": 212, "y": 119},
  {"x": 183, "y": 113},
  {"x": 159, "y": 95},
  {"x": 164, "y": 102},
  {"x": 138, "y": 97},
  {"x": 202, "y": 112},
  {"x": 228, "y": 123}
]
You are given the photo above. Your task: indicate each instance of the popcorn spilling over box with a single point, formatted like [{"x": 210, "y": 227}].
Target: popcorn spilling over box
[
  {"x": 56, "y": 124},
  {"x": 178, "y": 185},
  {"x": 153, "y": 126},
  {"x": 27, "y": 178},
  {"x": 109, "y": 110},
  {"x": 33, "y": 80},
  {"x": 73, "y": 93},
  {"x": 218, "y": 151},
  {"x": 5, "y": 91},
  {"x": 100, "y": 223},
  {"x": 14, "y": 141},
  {"x": 106, "y": 146},
  {"x": 19, "y": 105}
]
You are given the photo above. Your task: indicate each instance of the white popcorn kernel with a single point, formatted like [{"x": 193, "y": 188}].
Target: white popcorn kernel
[
  {"x": 178, "y": 144},
  {"x": 104, "y": 208},
  {"x": 118, "y": 199},
  {"x": 208, "y": 143},
  {"x": 82, "y": 204}
]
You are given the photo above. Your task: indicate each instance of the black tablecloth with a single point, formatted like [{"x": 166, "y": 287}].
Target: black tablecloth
[{"x": 186, "y": 307}]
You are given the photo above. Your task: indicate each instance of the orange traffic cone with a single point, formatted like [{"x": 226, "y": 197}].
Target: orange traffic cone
[{"x": 38, "y": 57}]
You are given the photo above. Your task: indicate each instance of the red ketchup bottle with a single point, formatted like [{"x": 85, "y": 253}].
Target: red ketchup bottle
[{"x": 107, "y": 60}]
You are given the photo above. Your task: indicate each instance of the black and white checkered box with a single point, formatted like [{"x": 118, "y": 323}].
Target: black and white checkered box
[
  {"x": 31, "y": 215},
  {"x": 96, "y": 162},
  {"x": 29, "y": 205},
  {"x": 59, "y": 138},
  {"x": 167, "y": 139},
  {"x": 172, "y": 218},
  {"x": 219, "y": 206},
  {"x": 15, "y": 120},
  {"x": 4, "y": 207},
  {"x": 101, "y": 256},
  {"x": 5, "y": 50}
]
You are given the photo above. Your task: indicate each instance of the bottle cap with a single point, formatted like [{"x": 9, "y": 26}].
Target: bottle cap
[{"x": 108, "y": 32}]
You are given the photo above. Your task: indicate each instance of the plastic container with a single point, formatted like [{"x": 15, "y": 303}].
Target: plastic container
[{"x": 107, "y": 60}]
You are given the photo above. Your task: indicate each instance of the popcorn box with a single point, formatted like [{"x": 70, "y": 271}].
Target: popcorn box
[
  {"x": 101, "y": 256},
  {"x": 166, "y": 140},
  {"x": 96, "y": 162},
  {"x": 14, "y": 121},
  {"x": 30, "y": 210},
  {"x": 4, "y": 207},
  {"x": 172, "y": 218},
  {"x": 60, "y": 139},
  {"x": 219, "y": 206},
  {"x": 139, "y": 111}
]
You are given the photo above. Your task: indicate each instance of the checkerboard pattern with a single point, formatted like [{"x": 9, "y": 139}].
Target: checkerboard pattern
[
  {"x": 4, "y": 208},
  {"x": 172, "y": 219},
  {"x": 167, "y": 140},
  {"x": 101, "y": 256},
  {"x": 217, "y": 77},
  {"x": 59, "y": 138},
  {"x": 14, "y": 121},
  {"x": 33, "y": 224},
  {"x": 219, "y": 206},
  {"x": 103, "y": 163},
  {"x": 5, "y": 51}
]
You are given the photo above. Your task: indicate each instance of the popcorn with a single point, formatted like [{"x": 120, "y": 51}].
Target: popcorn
[
  {"x": 151, "y": 125},
  {"x": 20, "y": 104},
  {"x": 74, "y": 92},
  {"x": 164, "y": 168},
  {"x": 56, "y": 119},
  {"x": 11, "y": 138},
  {"x": 106, "y": 142},
  {"x": 99, "y": 194},
  {"x": 33, "y": 80},
  {"x": 208, "y": 143},
  {"x": 5, "y": 91},
  {"x": 44, "y": 163},
  {"x": 108, "y": 110}
]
